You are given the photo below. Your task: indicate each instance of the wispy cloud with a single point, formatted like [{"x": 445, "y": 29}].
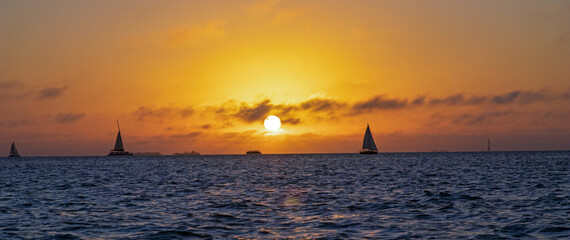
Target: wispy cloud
[
  {"x": 262, "y": 8},
  {"x": 321, "y": 104},
  {"x": 181, "y": 36},
  {"x": 458, "y": 99},
  {"x": 291, "y": 121},
  {"x": 288, "y": 15},
  {"x": 383, "y": 102},
  {"x": 253, "y": 113},
  {"x": 519, "y": 96},
  {"x": 566, "y": 95},
  {"x": 12, "y": 90},
  {"x": 481, "y": 118},
  {"x": 16, "y": 123},
  {"x": 18, "y": 91},
  {"x": 258, "y": 111},
  {"x": 159, "y": 113},
  {"x": 51, "y": 93},
  {"x": 315, "y": 108},
  {"x": 522, "y": 97},
  {"x": 60, "y": 118},
  {"x": 7, "y": 85},
  {"x": 206, "y": 32},
  {"x": 278, "y": 12},
  {"x": 64, "y": 118},
  {"x": 380, "y": 102},
  {"x": 186, "y": 135},
  {"x": 419, "y": 100}
]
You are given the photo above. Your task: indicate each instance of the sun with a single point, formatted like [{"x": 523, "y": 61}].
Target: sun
[{"x": 272, "y": 123}]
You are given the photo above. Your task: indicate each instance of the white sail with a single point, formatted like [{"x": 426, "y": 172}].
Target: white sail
[{"x": 368, "y": 142}]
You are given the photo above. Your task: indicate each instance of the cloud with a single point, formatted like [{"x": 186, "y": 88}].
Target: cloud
[
  {"x": 312, "y": 108},
  {"x": 531, "y": 96},
  {"x": 278, "y": 12},
  {"x": 185, "y": 112},
  {"x": 7, "y": 85},
  {"x": 63, "y": 118},
  {"x": 505, "y": 98},
  {"x": 207, "y": 32},
  {"x": 238, "y": 135},
  {"x": 380, "y": 102},
  {"x": 206, "y": 126},
  {"x": 450, "y": 100},
  {"x": 16, "y": 123},
  {"x": 481, "y": 118},
  {"x": 321, "y": 104},
  {"x": 144, "y": 112},
  {"x": 51, "y": 93},
  {"x": 458, "y": 99},
  {"x": 17, "y": 91},
  {"x": 419, "y": 100},
  {"x": 519, "y": 96},
  {"x": 287, "y": 112},
  {"x": 263, "y": 7},
  {"x": 292, "y": 121},
  {"x": 12, "y": 90},
  {"x": 255, "y": 112},
  {"x": 186, "y": 135},
  {"x": 288, "y": 15},
  {"x": 524, "y": 97},
  {"x": 185, "y": 35}
]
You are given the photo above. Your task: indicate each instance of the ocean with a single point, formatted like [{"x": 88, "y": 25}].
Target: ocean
[{"x": 472, "y": 195}]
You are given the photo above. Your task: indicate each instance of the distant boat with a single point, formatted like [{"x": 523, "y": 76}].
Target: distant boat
[
  {"x": 193, "y": 153},
  {"x": 368, "y": 145},
  {"x": 119, "y": 150},
  {"x": 13, "y": 151},
  {"x": 147, "y": 154},
  {"x": 253, "y": 152}
]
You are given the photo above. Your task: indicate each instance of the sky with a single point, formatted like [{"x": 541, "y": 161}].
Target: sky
[{"x": 203, "y": 75}]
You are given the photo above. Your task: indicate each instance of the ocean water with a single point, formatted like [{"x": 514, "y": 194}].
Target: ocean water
[{"x": 510, "y": 195}]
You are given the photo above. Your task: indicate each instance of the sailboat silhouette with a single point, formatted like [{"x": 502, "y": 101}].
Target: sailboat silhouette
[
  {"x": 13, "y": 151},
  {"x": 119, "y": 150},
  {"x": 368, "y": 145}
]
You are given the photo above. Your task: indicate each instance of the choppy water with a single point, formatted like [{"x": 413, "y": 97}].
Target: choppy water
[{"x": 408, "y": 195}]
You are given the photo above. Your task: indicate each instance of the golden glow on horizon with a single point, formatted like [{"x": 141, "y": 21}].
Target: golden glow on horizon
[{"x": 200, "y": 75}]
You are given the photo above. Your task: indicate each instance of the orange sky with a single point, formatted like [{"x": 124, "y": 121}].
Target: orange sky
[{"x": 203, "y": 75}]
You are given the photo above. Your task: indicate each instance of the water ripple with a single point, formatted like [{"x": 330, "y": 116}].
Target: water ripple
[{"x": 500, "y": 195}]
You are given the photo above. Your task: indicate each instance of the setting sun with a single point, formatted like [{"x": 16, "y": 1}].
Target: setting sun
[
  {"x": 427, "y": 76},
  {"x": 272, "y": 123},
  {"x": 383, "y": 103}
]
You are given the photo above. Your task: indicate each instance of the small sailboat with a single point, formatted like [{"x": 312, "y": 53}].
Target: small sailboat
[
  {"x": 368, "y": 145},
  {"x": 13, "y": 151},
  {"x": 119, "y": 150},
  {"x": 186, "y": 153}
]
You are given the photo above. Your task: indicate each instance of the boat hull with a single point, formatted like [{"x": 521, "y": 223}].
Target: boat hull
[
  {"x": 368, "y": 151},
  {"x": 119, "y": 153},
  {"x": 253, "y": 152}
]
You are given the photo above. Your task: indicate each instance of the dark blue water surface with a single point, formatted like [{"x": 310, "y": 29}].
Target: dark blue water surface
[{"x": 509, "y": 195}]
